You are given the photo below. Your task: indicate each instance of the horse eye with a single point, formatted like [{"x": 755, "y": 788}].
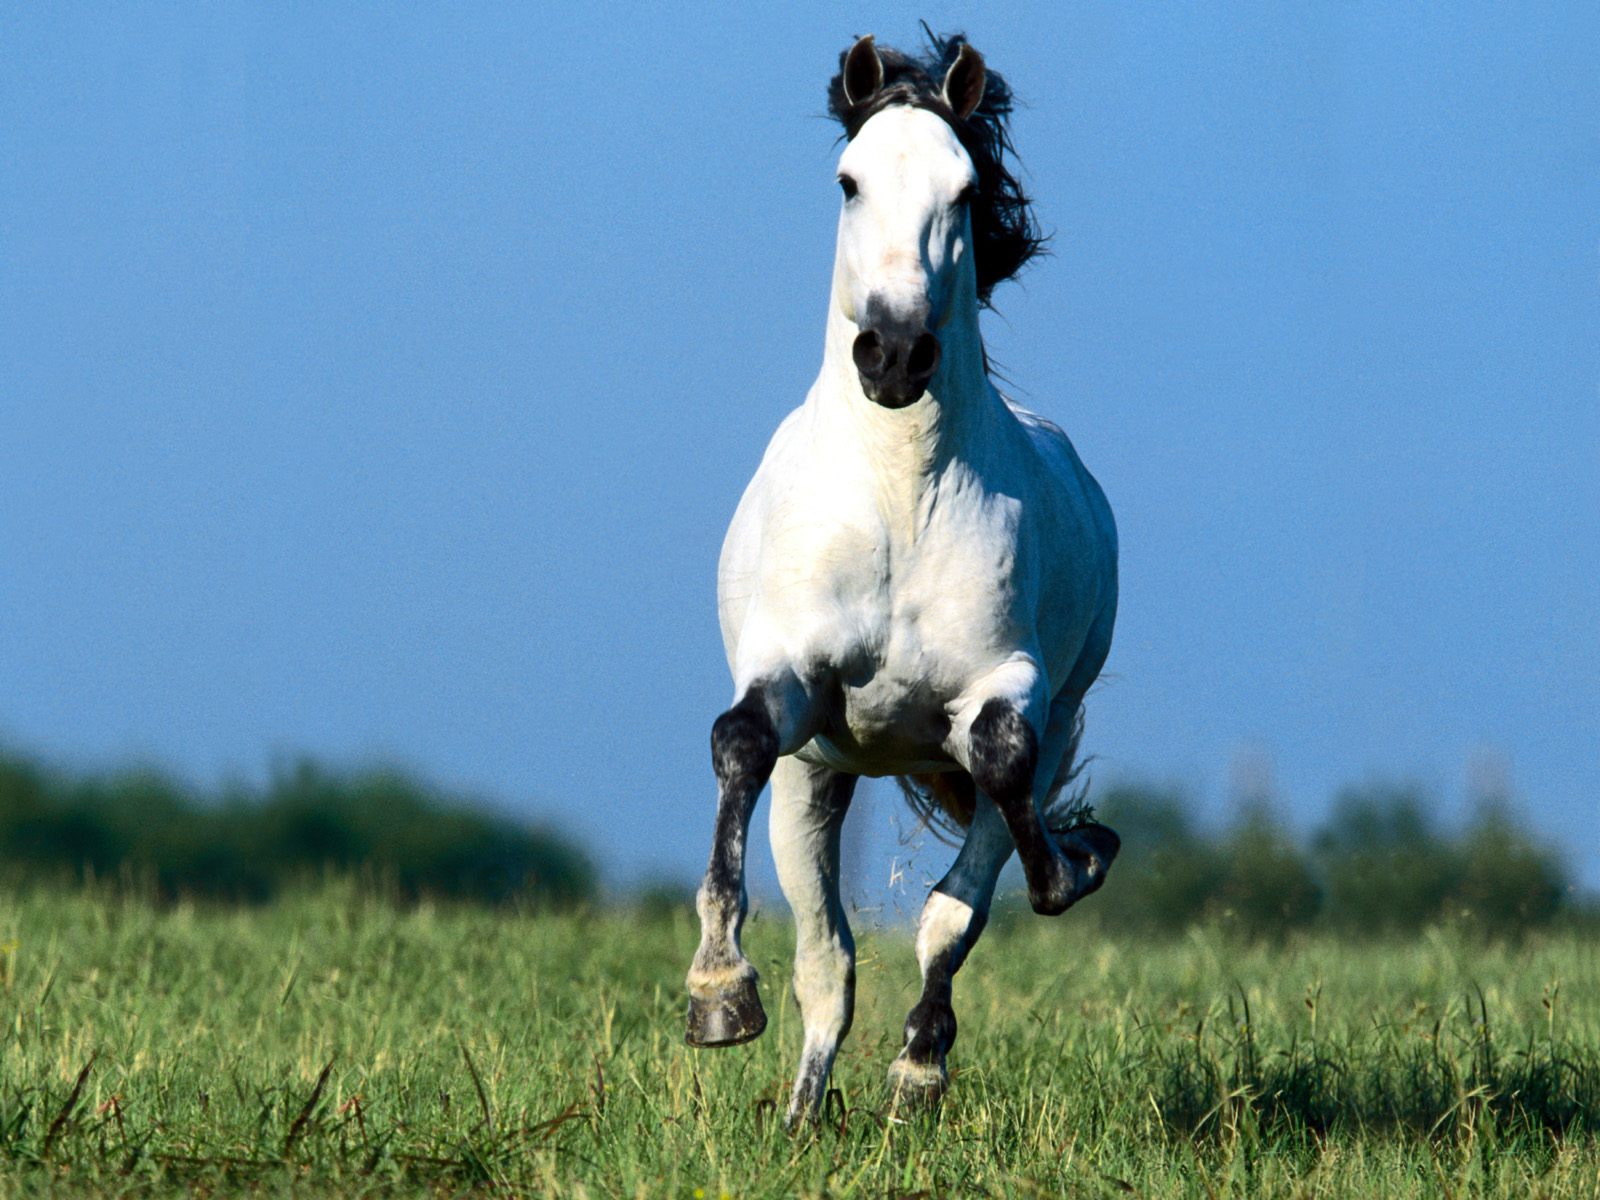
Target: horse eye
[
  {"x": 848, "y": 186},
  {"x": 967, "y": 196}
]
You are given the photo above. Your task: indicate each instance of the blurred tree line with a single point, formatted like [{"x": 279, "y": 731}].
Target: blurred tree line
[
  {"x": 245, "y": 845},
  {"x": 1379, "y": 864}
]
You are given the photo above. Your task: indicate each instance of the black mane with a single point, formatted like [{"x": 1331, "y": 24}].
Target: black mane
[{"x": 1004, "y": 231}]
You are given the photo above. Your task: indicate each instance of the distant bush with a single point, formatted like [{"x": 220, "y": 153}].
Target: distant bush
[
  {"x": 245, "y": 845},
  {"x": 1167, "y": 873},
  {"x": 662, "y": 899},
  {"x": 1170, "y": 875},
  {"x": 1378, "y": 865},
  {"x": 1266, "y": 883},
  {"x": 1388, "y": 867},
  {"x": 1385, "y": 864},
  {"x": 1508, "y": 879}
]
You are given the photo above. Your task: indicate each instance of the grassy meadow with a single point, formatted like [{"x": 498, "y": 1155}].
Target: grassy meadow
[{"x": 334, "y": 1043}]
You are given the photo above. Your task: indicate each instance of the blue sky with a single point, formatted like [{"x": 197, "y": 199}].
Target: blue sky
[{"x": 379, "y": 386}]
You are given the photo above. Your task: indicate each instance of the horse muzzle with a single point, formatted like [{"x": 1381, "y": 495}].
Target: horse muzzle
[{"x": 895, "y": 363}]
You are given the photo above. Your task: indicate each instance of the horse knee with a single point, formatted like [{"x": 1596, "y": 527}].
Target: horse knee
[
  {"x": 744, "y": 741},
  {"x": 825, "y": 988},
  {"x": 1003, "y": 750}
]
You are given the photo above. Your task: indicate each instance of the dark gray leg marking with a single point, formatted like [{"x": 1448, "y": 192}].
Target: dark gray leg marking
[
  {"x": 1005, "y": 753},
  {"x": 918, "y": 1077},
  {"x": 724, "y": 1007},
  {"x": 931, "y": 1025}
]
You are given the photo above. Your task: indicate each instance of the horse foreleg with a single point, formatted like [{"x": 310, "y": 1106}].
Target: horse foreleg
[
  {"x": 724, "y": 1008},
  {"x": 808, "y": 808},
  {"x": 952, "y": 919},
  {"x": 1012, "y": 768},
  {"x": 768, "y": 719}
]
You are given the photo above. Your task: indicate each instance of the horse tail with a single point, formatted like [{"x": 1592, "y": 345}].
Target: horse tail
[
  {"x": 1066, "y": 806},
  {"x": 943, "y": 803}
]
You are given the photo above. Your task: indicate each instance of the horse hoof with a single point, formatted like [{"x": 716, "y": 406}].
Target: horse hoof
[
  {"x": 1050, "y": 904},
  {"x": 1087, "y": 852},
  {"x": 1091, "y": 849},
  {"x": 727, "y": 1018},
  {"x": 916, "y": 1087}
]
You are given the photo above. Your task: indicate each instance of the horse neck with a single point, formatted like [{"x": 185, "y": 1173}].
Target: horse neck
[{"x": 908, "y": 450}]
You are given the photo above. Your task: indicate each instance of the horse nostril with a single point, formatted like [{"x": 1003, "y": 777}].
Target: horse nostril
[
  {"x": 869, "y": 354},
  {"x": 923, "y": 360}
]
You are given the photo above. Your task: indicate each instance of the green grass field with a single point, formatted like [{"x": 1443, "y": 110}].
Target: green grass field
[{"x": 334, "y": 1044}]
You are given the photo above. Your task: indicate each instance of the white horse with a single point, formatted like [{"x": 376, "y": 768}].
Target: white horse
[{"x": 919, "y": 582}]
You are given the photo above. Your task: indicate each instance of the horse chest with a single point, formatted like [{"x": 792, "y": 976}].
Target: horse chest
[{"x": 932, "y": 615}]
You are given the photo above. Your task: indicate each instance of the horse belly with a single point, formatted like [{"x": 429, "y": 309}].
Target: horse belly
[
  {"x": 889, "y": 727},
  {"x": 891, "y": 715}
]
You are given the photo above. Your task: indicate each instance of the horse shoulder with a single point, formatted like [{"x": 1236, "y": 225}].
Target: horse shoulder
[
  {"x": 1069, "y": 491},
  {"x": 1069, "y": 548},
  {"x": 800, "y": 542}
]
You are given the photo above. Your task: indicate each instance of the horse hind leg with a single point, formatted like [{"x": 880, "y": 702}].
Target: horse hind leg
[
  {"x": 809, "y": 804},
  {"x": 954, "y": 916}
]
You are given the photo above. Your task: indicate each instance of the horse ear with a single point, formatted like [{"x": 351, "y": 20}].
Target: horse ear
[
  {"x": 963, "y": 82},
  {"x": 863, "y": 71}
]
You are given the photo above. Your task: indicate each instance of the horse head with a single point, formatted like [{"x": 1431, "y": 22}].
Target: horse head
[{"x": 931, "y": 219}]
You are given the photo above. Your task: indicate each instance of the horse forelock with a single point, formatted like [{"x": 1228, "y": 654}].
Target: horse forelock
[{"x": 1004, "y": 232}]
